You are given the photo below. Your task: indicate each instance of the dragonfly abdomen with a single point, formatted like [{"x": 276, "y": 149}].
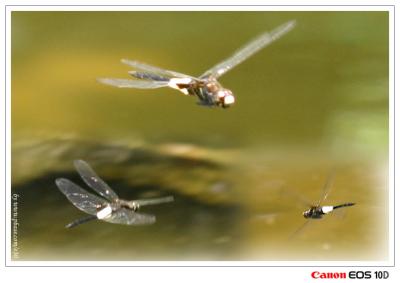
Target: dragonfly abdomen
[
  {"x": 81, "y": 221},
  {"x": 344, "y": 205}
]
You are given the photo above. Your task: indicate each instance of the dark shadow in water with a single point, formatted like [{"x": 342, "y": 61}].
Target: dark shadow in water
[{"x": 188, "y": 228}]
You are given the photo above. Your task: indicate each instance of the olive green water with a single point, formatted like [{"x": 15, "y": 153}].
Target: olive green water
[{"x": 312, "y": 102}]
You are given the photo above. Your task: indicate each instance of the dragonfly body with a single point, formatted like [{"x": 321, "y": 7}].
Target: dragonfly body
[
  {"x": 317, "y": 212},
  {"x": 209, "y": 91},
  {"x": 106, "y": 210},
  {"x": 206, "y": 87},
  {"x": 109, "y": 207}
]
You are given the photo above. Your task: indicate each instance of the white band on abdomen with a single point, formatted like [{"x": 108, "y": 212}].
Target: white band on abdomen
[
  {"x": 327, "y": 209},
  {"x": 105, "y": 212}
]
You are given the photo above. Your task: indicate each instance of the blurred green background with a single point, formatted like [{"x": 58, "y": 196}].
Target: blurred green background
[{"x": 312, "y": 102}]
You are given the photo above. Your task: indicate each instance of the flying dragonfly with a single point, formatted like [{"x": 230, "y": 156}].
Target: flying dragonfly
[
  {"x": 318, "y": 211},
  {"x": 206, "y": 87},
  {"x": 109, "y": 207}
]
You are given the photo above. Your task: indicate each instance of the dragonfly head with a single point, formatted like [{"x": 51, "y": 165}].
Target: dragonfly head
[
  {"x": 225, "y": 97},
  {"x": 307, "y": 213}
]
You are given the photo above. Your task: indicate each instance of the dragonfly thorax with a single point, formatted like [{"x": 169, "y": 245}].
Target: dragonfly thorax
[{"x": 314, "y": 212}]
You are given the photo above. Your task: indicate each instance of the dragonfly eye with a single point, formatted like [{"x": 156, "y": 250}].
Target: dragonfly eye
[
  {"x": 229, "y": 99},
  {"x": 225, "y": 97}
]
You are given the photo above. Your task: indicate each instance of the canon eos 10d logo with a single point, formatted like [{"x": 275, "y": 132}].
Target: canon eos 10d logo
[{"x": 350, "y": 275}]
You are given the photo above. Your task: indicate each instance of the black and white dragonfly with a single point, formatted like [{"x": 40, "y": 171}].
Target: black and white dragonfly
[
  {"x": 206, "y": 87},
  {"x": 109, "y": 207},
  {"x": 318, "y": 211}
]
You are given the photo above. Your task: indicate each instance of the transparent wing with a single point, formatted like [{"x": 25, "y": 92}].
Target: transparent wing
[
  {"x": 125, "y": 83},
  {"x": 95, "y": 182},
  {"x": 80, "y": 198},
  {"x": 248, "y": 50},
  {"x": 297, "y": 196},
  {"x": 152, "y": 69},
  {"x": 130, "y": 217},
  {"x": 148, "y": 76},
  {"x": 326, "y": 188},
  {"x": 144, "y": 202},
  {"x": 300, "y": 229}
]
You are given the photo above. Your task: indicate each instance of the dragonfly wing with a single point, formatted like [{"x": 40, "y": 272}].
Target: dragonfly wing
[
  {"x": 297, "y": 196},
  {"x": 94, "y": 181},
  {"x": 125, "y": 83},
  {"x": 80, "y": 198},
  {"x": 130, "y": 217},
  {"x": 248, "y": 50},
  {"x": 298, "y": 230},
  {"x": 148, "y": 76},
  {"x": 152, "y": 69},
  {"x": 326, "y": 188}
]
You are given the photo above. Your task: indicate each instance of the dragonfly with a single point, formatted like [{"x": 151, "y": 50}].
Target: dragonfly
[
  {"x": 205, "y": 87},
  {"x": 318, "y": 211},
  {"x": 106, "y": 206}
]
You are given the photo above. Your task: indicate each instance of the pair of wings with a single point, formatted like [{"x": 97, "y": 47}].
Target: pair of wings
[
  {"x": 324, "y": 194},
  {"x": 146, "y": 71},
  {"x": 91, "y": 203}
]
